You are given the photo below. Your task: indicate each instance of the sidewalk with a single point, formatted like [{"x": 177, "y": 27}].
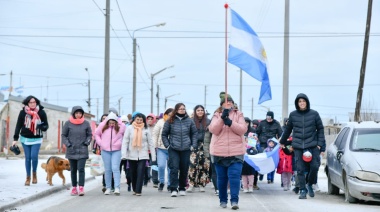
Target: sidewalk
[{"x": 12, "y": 178}]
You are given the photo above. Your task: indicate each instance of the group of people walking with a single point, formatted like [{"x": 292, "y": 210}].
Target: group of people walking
[{"x": 192, "y": 150}]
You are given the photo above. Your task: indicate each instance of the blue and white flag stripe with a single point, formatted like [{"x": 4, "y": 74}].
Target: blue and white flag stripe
[
  {"x": 265, "y": 162},
  {"x": 247, "y": 52}
]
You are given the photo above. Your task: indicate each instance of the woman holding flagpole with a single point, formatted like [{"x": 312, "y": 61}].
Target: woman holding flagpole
[{"x": 227, "y": 149}]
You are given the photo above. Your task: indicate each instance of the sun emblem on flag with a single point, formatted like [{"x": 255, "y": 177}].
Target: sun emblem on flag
[{"x": 263, "y": 53}]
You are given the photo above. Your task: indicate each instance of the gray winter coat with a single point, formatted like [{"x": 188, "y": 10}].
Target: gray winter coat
[
  {"x": 181, "y": 134},
  {"x": 76, "y": 137}
]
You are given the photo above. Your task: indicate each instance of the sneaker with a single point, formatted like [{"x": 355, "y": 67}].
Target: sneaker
[
  {"x": 250, "y": 190},
  {"x": 235, "y": 206},
  {"x": 190, "y": 189},
  {"x": 201, "y": 189},
  {"x": 182, "y": 193},
  {"x": 316, "y": 187},
  {"x": 104, "y": 189},
  {"x": 161, "y": 187},
  {"x": 155, "y": 185},
  {"x": 138, "y": 194},
  {"x": 296, "y": 190},
  {"x": 117, "y": 191},
  {"x": 245, "y": 190},
  {"x": 286, "y": 189},
  {"x": 223, "y": 205},
  {"x": 310, "y": 190},
  {"x": 302, "y": 194},
  {"x": 107, "y": 192},
  {"x": 174, "y": 194},
  {"x": 81, "y": 191},
  {"x": 74, "y": 191},
  {"x": 268, "y": 181},
  {"x": 255, "y": 187},
  {"x": 216, "y": 192}
]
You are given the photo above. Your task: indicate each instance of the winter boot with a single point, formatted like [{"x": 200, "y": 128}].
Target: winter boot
[
  {"x": 34, "y": 179},
  {"x": 27, "y": 182}
]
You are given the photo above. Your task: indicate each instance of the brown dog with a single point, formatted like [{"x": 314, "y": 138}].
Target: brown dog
[{"x": 53, "y": 165}]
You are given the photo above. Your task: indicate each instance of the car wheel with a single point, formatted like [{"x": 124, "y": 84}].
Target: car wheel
[
  {"x": 347, "y": 195},
  {"x": 331, "y": 188}
]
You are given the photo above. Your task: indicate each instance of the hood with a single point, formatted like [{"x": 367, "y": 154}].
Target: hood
[
  {"x": 153, "y": 116},
  {"x": 368, "y": 165},
  {"x": 75, "y": 108},
  {"x": 255, "y": 121},
  {"x": 303, "y": 96}
]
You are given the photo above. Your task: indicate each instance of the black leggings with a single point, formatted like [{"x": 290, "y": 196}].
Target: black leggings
[{"x": 75, "y": 167}]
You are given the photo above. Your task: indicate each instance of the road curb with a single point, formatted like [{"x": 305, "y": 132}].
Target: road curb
[{"x": 39, "y": 195}]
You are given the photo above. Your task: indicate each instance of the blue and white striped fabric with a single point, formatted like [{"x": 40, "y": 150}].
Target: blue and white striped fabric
[
  {"x": 265, "y": 162},
  {"x": 247, "y": 53}
]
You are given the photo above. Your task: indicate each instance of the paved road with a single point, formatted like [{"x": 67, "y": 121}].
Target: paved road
[{"x": 270, "y": 197}]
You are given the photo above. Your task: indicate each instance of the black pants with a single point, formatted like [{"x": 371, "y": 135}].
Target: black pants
[
  {"x": 303, "y": 167},
  {"x": 75, "y": 167},
  {"x": 179, "y": 161},
  {"x": 137, "y": 171},
  {"x": 214, "y": 177}
]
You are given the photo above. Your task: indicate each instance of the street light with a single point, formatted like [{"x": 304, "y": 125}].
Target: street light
[
  {"x": 151, "y": 85},
  {"x": 89, "y": 92},
  {"x": 166, "y": 98},
  {"x": 134, "y": 63},
  {"x": 158, "y": 93}
]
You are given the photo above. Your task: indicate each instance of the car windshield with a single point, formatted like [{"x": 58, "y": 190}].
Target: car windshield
[{"x": 366, "y": 140}]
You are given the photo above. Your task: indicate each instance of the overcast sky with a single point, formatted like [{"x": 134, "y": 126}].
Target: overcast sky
[{"x": 48, "y": 45}]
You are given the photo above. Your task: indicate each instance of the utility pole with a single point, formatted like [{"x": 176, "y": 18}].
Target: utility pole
[
  {"x": 205, "y": 95},
  {"x": 158, "y": 100},
  {"x": 119, "y": 104},
  {"x": 89, "y": 92},
  {"x": 285, "y": 79},
  {"x": 252, "y": 110},
  {"x": 364, "y": 63},
  {"x": 107, "y": 60}
]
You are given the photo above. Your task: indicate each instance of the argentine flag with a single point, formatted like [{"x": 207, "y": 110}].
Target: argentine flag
[
  {"x": 247, "y": 53},
  {"x": 265, "y": 162}
]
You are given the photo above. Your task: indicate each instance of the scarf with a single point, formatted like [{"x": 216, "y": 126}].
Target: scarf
[
  {"x": 32, "y": 119},
  {"x": 137, "y": 134},
  {"x": 76, "y": 121}
]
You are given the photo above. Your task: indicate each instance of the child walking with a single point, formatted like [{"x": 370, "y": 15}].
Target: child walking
[{"x": 271, "y": 145}]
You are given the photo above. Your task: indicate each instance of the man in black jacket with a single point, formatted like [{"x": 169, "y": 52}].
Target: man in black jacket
[{"x": 308, "y": 137}]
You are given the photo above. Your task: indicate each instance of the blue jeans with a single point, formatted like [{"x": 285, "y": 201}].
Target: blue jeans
[
  {"x": 229, "y": 174},
  {"x": 162, "y": 158},
  {"x": 111, "y": 161},
  {"x": 31, "y": 157},
  {"x": 270, "y": 176}
]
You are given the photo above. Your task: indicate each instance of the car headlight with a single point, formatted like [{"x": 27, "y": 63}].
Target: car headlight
[{"x": 367, "y": 176}]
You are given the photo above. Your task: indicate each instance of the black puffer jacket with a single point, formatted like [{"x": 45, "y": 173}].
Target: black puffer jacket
[
  {"x": 267, "y": 130},
  {"x": 181, "y": 134},
  {"x": 306, "y": 125},
  {"x": 27, "y": 133}
]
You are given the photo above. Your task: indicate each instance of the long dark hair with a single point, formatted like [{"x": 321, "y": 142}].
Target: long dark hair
[
  {"x": 197, "y": 120},
  {"x": 175, "y": 111}
]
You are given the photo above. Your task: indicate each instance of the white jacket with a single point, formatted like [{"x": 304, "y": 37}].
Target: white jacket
[
  {"x": 133, "y": 153},
  {"x": 156, "y": 135}
]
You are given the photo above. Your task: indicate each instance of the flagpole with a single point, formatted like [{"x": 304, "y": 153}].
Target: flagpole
[{"x": 226, "y": 58}]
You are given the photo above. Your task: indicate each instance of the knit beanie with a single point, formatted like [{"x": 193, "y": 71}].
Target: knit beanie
[
  {"x": 271, "y": 114},
  {"x": 222, "y": 96}
]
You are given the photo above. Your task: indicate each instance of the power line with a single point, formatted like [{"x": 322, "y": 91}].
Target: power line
[{"x": 122, "y": 17}]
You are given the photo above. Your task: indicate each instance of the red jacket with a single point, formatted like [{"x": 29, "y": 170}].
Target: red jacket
[
  {"x": 227, "y": 141},
  {"x": 285, "y": 163}
]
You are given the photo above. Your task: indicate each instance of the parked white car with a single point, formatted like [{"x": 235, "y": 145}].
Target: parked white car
[{"x": 353, "y": 162}]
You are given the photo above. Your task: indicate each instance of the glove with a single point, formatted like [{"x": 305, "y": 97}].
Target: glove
[
  {"x": 225, "y": 113},
  {"x": 227, "y": 122}
]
